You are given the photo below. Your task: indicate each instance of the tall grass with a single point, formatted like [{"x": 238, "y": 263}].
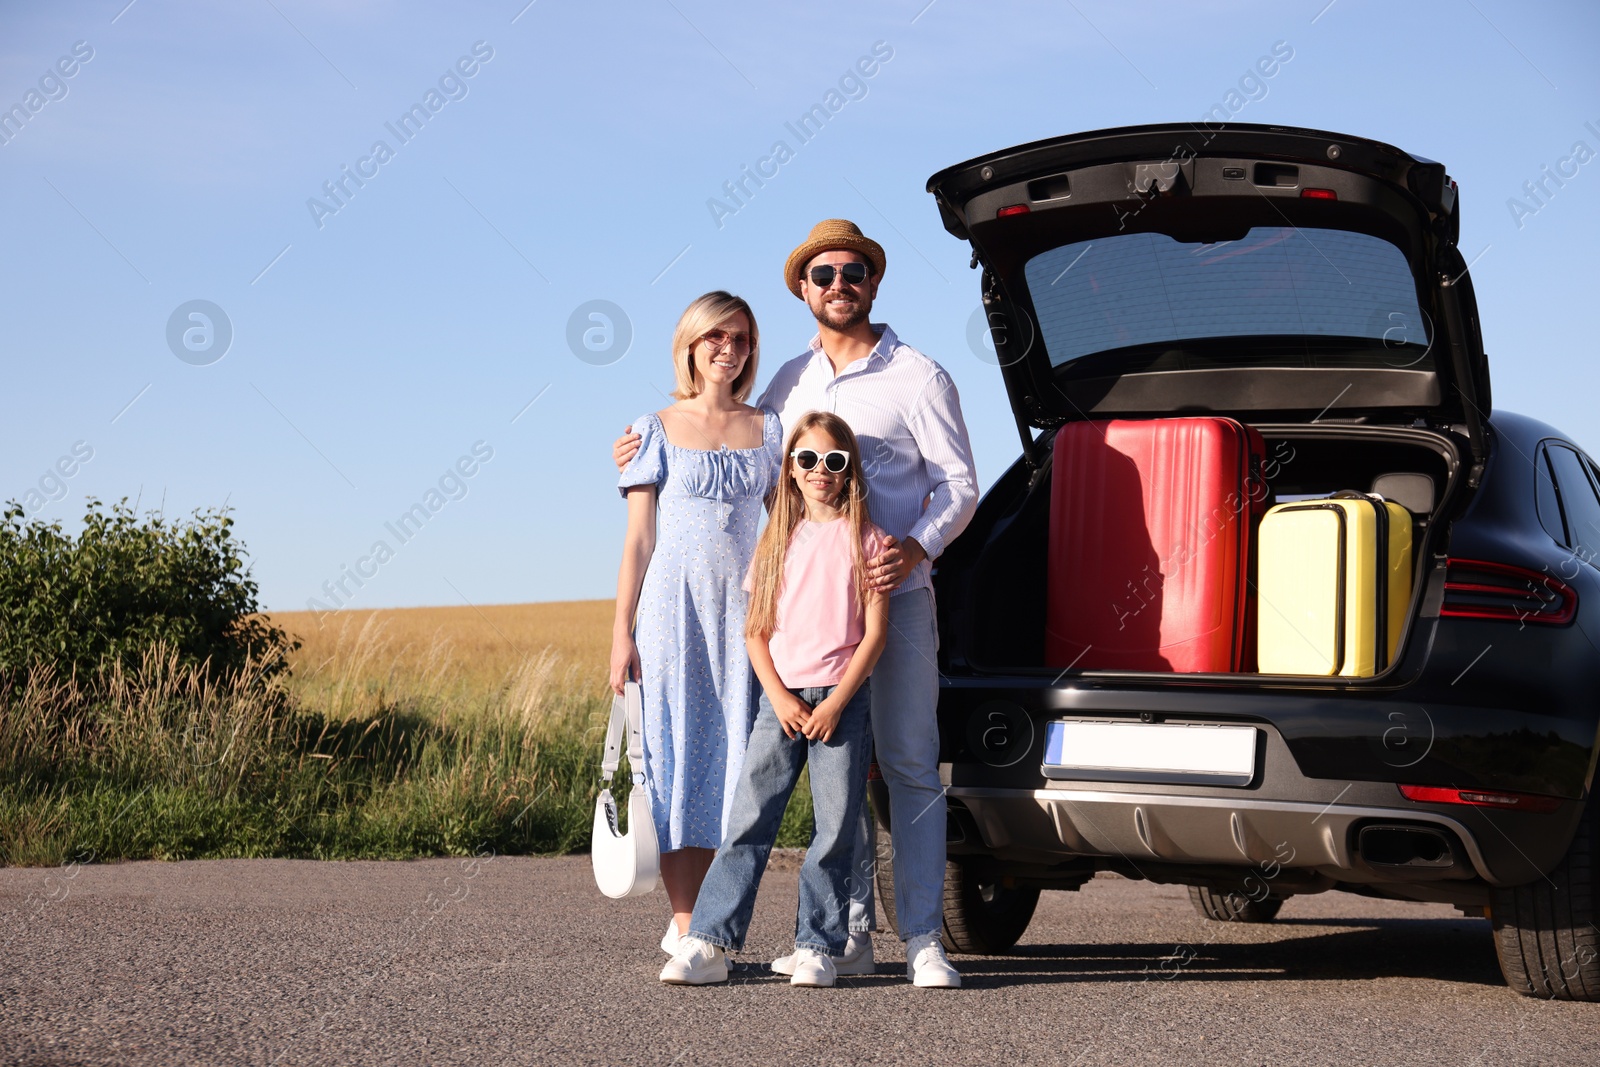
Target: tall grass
[
  {"x": 169, "y": 762},
  {"x": 389, "y": 741}
]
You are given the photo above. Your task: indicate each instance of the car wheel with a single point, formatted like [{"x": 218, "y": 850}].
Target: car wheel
[
  {"x": 1233, "y": 907},
  {"x": 883, "y": 872},
  {"x": 1545, "y": 932},
  {"x": 982, "y": 914}
]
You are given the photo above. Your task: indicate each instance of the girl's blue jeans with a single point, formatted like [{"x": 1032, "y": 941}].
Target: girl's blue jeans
[{"x": 772, "y": 765}]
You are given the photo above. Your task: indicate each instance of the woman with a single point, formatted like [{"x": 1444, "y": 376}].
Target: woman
[{"x": 694, "y": 493}]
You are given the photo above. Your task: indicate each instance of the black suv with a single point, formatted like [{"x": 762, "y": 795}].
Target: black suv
[{"x": 1335, "y": 315}]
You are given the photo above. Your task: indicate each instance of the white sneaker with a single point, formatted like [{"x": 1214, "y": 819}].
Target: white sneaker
[
  {"x": 856, "y": 959},
  {"x": 695, "y": 963},
  {"x": 812, "y": 968},
  {"x": 926, "y": 965},
  {"x": 669, "y": 940}
]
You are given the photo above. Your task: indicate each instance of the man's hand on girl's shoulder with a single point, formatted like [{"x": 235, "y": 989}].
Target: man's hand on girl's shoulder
[
  {"x": 894, "y": 564},
  {"x": 625, "y": 448}
]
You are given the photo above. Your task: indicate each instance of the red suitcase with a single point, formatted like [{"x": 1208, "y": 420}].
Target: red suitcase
[{"x": 1150, "y": 530}]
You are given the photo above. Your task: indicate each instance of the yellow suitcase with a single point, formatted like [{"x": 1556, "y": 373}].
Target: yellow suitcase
[{"x": 1333, "y": 583}]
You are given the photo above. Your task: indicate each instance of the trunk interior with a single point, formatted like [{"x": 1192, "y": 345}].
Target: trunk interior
[{"x": 1001, "y": 585}]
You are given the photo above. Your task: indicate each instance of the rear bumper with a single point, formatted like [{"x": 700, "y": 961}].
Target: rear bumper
[
  {"x": 1050, "y": 825},
  {"x": 1329, "y": 766}
]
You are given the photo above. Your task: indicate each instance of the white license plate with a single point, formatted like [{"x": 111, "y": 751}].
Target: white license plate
[{"x": 1150, "y": 752}]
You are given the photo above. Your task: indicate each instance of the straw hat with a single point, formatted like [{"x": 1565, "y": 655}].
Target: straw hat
[{"x": 827, "y": 236}]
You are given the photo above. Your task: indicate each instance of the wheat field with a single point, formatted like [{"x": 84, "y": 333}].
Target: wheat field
[{"x": 453, "y": 659}]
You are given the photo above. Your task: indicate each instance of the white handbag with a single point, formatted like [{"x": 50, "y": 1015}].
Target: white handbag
[{"x": 625, "y": 865}]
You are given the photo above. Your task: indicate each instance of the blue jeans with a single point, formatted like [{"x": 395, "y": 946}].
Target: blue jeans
[
  {"x": 772, "y": 764},
  {"x": 905, "y": 728}
]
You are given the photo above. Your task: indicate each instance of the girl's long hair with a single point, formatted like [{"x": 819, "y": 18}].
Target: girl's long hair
[{"x": 789, "y": 508}]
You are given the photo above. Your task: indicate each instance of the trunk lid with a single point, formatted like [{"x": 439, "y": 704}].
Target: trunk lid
[{"x": 1264, "y": 272}]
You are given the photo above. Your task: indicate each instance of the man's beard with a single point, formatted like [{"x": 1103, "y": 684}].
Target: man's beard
[{"x": 843, "y": 319}]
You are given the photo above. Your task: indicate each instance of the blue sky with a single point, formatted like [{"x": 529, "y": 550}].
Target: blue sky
[{"x": 375, "y": 346}]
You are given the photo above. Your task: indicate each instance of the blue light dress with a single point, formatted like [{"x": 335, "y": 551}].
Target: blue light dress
[{"x": 699, "y": 690}]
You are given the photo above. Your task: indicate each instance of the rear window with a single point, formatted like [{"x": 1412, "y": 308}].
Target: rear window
[{"x": 1143, "y": 289}]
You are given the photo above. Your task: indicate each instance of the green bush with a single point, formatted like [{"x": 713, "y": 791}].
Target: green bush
[{"x": 126, "y": 585}]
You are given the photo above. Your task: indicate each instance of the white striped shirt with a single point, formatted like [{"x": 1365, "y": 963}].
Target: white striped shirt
[{"x": 906, "y": 415}]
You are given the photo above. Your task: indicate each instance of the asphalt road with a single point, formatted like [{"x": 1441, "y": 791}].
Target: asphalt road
[{"x": 516, "y": 960}]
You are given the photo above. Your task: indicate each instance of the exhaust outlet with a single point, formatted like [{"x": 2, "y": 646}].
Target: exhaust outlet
[{"x": 1408, "y": 846}]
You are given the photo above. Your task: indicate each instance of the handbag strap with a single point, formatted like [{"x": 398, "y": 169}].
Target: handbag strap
[{"x": 628, "y": 710}]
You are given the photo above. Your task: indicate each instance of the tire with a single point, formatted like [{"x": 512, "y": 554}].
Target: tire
[
  {"x": 982, "y": 915},
  {"x": 1233, "y": 907},
  {"x": 883, "y": 872},
  {"x": 1544, "y": 932}
]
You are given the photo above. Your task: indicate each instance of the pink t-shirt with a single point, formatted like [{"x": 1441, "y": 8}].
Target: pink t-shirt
[{"x": 820, "y": 621}]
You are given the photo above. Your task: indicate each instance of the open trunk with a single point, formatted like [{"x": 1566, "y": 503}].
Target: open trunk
[
  {"x": 1304, "y": 283},
  {"x": 990, "y": 586}
]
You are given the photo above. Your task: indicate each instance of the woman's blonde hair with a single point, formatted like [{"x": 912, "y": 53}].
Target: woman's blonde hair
[
  {"x": 696, "y": 320},
  {"x": 789, "y": 507}
]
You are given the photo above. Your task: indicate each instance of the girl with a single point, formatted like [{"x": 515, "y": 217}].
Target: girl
[
  {"x": 694, "y": 492},
  {"x": 814, "y": 633}
]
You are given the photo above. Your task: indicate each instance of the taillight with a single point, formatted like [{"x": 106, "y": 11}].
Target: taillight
[
  {"x": 1479, "y": 589},
  {"x": 1479, "y": 798},
  {"x": 1319, "y": 194},
  {"x": 1012, "y": 209}
]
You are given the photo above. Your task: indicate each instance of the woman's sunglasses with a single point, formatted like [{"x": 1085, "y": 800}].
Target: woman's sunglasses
[
  {"x": 852, "y": 273},
  {"x": 721, "y": 338},
  {"x": 833, "y": 462}
]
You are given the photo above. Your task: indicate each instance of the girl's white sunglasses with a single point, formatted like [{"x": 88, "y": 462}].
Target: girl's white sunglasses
[{"x": 833, "y": 462}]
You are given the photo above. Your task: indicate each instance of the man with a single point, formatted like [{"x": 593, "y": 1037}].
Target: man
[{"x": 922, "y": 490}]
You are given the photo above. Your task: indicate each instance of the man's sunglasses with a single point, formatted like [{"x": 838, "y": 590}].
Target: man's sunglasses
[
  {"x": 833, "y": 462},
  {"x": 852, "y": 273}
]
